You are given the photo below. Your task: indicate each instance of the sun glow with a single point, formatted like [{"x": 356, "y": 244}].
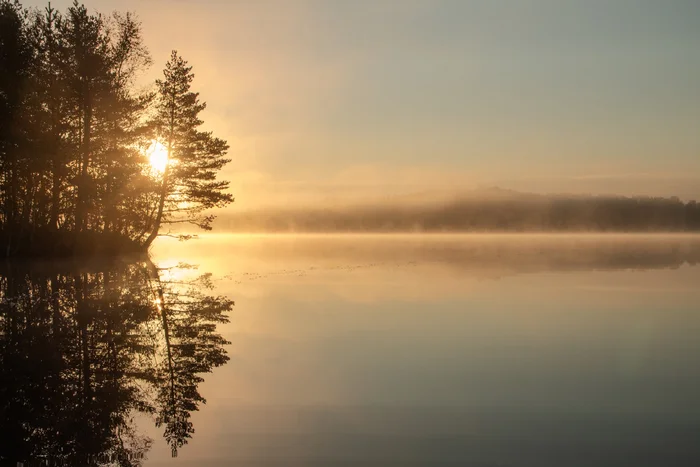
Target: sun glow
[{"x": 157, "y": 156}]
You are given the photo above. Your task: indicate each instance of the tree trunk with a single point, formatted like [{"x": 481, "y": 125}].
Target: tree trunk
[
  {"x": 161, "y": 206},
  {"x": 57, "y": 169},
  {"x": 164, "y": 186},
  {"x": 80, "y": 213}
]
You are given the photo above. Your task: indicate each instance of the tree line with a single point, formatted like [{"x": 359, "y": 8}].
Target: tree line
[
  {"x": 503, "y": 211},
  {"x": 75, "y": 129}
]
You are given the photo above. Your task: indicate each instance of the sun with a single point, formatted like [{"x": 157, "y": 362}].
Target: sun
[{"x": 157, "y": 156}]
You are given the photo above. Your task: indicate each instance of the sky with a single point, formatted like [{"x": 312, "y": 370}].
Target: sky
[{"x": 339, "y": 101}]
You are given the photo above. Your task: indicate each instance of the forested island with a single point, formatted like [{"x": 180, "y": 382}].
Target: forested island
[
  {"x": 493, "y": 210},
  {"x": 91, "y": 162}
]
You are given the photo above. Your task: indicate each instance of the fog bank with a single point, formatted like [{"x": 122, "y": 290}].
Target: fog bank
[{"x": 490, "y": 210}]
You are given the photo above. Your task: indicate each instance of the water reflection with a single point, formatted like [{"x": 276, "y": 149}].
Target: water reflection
[
  {"x": 359, "y": 350},
  {"x": 485, "y": 256},
  {"x": 85, "y": 349},
  {"x": 398, "y": 350}
]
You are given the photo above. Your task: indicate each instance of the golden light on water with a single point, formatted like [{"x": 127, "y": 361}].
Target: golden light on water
[{"x": 157, "y": 156}]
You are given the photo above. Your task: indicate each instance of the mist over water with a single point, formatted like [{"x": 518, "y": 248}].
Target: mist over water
[
  {"x": 468, "y": 252},
  {"x": 451, "y": 350}
]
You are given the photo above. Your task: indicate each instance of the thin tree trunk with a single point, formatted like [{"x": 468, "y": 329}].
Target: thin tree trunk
[
  {"x": 11, "y": 205},
  {"x": 161, "y": 205},
  {"x": 164, "y": 186},
  {"x": 57, "y": 170},
  {"x": 109, "y": 199},
  {"x": 80, "y": 215}
]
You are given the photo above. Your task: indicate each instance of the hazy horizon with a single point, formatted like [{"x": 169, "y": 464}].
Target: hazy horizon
[{"x": 334, "y": 102}]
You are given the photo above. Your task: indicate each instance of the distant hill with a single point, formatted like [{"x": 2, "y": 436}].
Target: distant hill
[{"x": 493, "y": 209}]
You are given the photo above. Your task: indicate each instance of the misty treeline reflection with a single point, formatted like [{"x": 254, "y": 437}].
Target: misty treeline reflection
[{"x": 85, "y": 349}]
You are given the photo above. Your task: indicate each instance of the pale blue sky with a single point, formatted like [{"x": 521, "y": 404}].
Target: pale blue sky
[{"x": 339, "y": 100}]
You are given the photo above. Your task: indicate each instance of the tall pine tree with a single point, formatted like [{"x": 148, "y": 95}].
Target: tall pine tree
[{"x": 189, "y": 186}]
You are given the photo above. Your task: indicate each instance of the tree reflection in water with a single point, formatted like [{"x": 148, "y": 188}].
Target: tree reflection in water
[{"x": 84, "y": 349}]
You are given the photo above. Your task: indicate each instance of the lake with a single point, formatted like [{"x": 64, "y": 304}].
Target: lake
[{"x": 470, "y": 350}]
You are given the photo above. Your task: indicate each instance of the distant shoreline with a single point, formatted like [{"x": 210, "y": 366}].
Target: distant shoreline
[
  {"x": 582, "y": 234},
  {"x": 480, "y": 212}
]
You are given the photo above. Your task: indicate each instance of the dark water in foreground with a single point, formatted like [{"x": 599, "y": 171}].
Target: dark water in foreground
[{"x": 359, "y": 350}]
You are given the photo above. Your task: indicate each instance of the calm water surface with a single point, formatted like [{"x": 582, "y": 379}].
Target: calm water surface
[
  {"x": 488, "y": 351},
  {"x": 425, "y": 350}
]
